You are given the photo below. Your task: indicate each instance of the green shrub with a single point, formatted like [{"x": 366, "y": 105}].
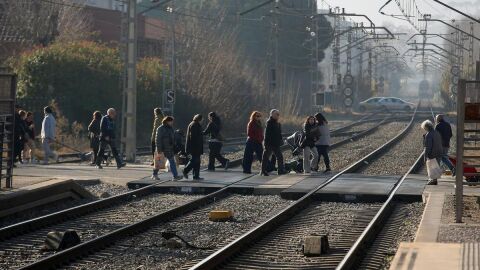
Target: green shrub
[{"x": 85, "y": 76}]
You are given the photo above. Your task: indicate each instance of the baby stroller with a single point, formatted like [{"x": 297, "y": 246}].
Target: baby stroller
[{"x": 293, "y": 142}]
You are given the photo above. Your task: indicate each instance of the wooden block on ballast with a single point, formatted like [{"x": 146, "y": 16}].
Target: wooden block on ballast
[
  {"x": 220, "y": 215},
  {"x": 315, "y": 245}
]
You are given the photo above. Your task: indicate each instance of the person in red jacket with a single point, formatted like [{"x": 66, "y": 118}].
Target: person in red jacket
[{"x": 254, "y": 141}]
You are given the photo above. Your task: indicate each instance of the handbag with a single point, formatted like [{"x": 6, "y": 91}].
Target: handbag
[{"x": 433, "y": 169}]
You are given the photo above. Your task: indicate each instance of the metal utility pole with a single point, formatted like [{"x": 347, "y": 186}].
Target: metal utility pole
[
  {"x": 275, "y": 65},
  {"x": 129, "y": 110},
  {"x": 471, "y": 65},
  {"x": 336, "y": 57},
  {"x": 313, "y": 31},
  {"x": 370, "y": 70},
  {"x": 173, "y": 63}
]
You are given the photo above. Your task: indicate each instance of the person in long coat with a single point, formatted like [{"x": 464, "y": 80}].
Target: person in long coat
[
  {"x": 165, "y": 144},
  {"x": 254, "y": 142},
  {"x": 273, "y": 143},
  {"x": 194, "y": 147},
  {"x": 432, "y": 143},
  {"x": 311, "y": 134},
  {"x": 94, "y": 135},
  {"x": 215, "y": 142}
]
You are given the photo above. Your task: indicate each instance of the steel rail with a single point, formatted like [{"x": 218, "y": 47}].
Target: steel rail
[
  {"x": 360, "y": 246},
  {"x": 86, "y": 248},
  {"x": 76, "y": 211},
  {"x": 224, "y": 254}
]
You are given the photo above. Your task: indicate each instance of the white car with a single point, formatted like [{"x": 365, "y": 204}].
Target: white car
[
  {"x": 393, "y": 103},
  {"x": 370, "y": 104}
]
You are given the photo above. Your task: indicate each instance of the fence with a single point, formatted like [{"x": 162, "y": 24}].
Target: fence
[{"x": 7, "y": 125}]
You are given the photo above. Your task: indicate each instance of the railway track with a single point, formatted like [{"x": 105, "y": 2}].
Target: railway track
[
  {"x": 32, "y": 229},
  {"x": 32, "y": 224},
  {"x": 274, "y": 238}
]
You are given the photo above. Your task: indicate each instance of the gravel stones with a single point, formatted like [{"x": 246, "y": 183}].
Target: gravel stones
[
  {"x": 96, "y": 190},
  {"x": 103, "y": 188},
  {"x": 469, "y": 230},
  {"x": 24, "y": 249},
  {"x": 401, "y": 226},
  {"x": 282, "y": 248},
  {"x": 148, "y": 250},
  {"x": 400, "y": 157},
  {"x": 351, "y": 152}
]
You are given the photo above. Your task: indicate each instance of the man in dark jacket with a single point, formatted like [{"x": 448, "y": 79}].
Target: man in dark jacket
[
  {"x": 194, "y": 147},
  {"x": 445, "y": 130},
  {"x": 273, "y": 141},
  {"x": 107, "y": 137}
]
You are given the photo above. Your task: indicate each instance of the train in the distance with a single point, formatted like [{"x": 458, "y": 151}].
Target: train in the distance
[{"x": 424, "y": 90}]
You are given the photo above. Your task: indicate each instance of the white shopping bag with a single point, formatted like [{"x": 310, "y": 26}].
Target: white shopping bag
[{"x": 433, "y": 168}]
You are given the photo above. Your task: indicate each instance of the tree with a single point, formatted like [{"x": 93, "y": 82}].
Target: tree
[
  {"x": 82, "y": 77},
  {"x": 38, "y": 22}
]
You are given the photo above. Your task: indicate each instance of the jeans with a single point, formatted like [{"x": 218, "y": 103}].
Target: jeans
[
  {"x": 323, "y": 151},
  {"x": 101, "y": 152},
  {"x": 171, "y": 160},
  {"x": 46, "y": 149},
  {"x": 267, "y": 153},
  {"x": 193, "y": 165},
  {"x": 215, "y": 148},
  {"x": 447, "y": 161},
  {"x": 307, "y": 163},
  {"x": 251, "y": 147},
  {"x": 95, "y": 147},
  {"x": 18, "y": 149}
]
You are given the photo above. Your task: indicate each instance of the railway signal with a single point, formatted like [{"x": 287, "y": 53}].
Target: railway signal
[{"x": 348, "y": 90}]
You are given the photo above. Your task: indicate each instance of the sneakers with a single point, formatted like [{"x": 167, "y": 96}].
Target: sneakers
[
  {"x": 155, "y": 177},
  {"x": 327, "y": 170},
  {"x": 99, "y": 167},
  {"x": 432, "y": 182},
  {"x": 178, "y": 177},
  {"x": 121, "y": 165},
  {"x": 227, "y": 164},
  {"x": 185, "y": 174}
]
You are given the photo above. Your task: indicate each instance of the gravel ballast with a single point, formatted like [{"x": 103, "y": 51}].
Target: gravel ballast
[
  {"x": 401, "y": 226},
  {"x": 149, "y": 251},
  {"x": 282, "y": 248},
  {"x": 26, "y": 248},
  {"x": 349, "y": 153},
  {"x": 96, "y": 189},
  {"x": 400, "y": 157},
  {"x": 469, "y": 230}
]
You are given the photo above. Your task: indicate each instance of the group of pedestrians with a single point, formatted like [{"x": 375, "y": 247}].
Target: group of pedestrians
[
  {"x": 24, "y": 136},
  {"x": 167, "y": 145},
  {"x": 436, "y": 142},
  {"x": 102, "y": 134},
  {"x": 315, "y": 142}
]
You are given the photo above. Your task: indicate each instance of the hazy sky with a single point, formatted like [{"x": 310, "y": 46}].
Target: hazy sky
[{"x": 370, "y": 8}]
